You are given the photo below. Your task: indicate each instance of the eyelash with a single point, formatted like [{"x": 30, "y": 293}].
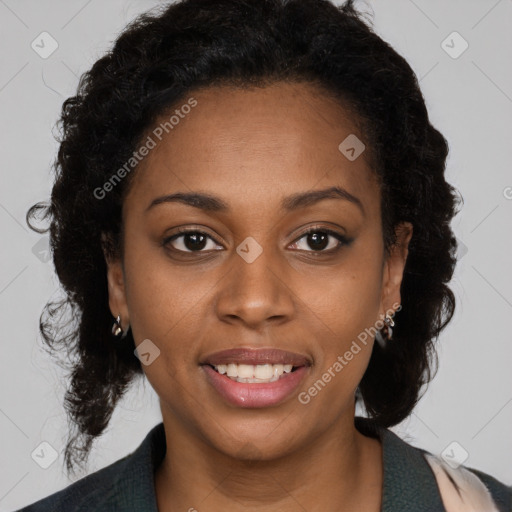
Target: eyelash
[{"x": 343, "y": 240}]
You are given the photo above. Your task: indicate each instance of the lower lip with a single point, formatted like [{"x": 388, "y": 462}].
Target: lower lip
[{"x": 248, "y": 395}]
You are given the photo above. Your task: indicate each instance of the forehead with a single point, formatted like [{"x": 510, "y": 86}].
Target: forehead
[{"x": 255, "y": 144}]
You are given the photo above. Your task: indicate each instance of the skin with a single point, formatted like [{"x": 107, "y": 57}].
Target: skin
[{"x": 252, "y": 148}]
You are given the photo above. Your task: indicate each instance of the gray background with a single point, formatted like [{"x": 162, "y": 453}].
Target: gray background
[{"x": 470, "y": 101}]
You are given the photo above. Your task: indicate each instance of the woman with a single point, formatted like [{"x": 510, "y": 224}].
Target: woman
[{"x": 250, "y": 209}]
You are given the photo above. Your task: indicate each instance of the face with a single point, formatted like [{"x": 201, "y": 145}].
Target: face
[{"x": 286, "y": 253}]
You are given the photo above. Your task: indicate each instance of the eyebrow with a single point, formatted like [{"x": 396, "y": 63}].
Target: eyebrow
[{"x": 210, "y": 203}]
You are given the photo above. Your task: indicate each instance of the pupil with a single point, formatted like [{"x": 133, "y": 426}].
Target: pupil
[
  {"x": 195, "y": 237},
  {"x": 314, "y": 238}
]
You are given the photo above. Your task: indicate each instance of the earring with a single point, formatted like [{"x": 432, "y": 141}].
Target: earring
[
  {"x": 386, "y": 330},
  {"x": 117, "y": 330},
  {"x": 389, "y": 323}
]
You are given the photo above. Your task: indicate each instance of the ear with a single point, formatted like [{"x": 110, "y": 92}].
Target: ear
[
  {"x": 116, "y": 283},
  {"x": 394, "y": 267}
]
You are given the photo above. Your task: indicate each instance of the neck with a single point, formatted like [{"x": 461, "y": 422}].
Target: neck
[{"x": 340, "y": 466}]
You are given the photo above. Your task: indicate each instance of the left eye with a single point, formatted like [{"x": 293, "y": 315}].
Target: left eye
[{"x": 318, "y": 240}]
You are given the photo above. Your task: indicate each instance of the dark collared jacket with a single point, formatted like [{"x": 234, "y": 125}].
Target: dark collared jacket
[{"x": 127, "y": 485}]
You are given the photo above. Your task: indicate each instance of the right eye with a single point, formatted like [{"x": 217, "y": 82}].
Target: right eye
[{"x": 188, "y": 240}]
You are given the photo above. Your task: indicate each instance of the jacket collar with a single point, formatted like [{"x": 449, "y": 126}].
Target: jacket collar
[
  {"x": 407, "y": 476},
  {"x": 135, "y": 488}
]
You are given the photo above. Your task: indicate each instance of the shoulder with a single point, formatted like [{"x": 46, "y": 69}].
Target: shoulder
[
  {"x": 414, "y": 476},
  {"x": 460, "y": 486},
  {"x": 123, "y": 486},
  {"x": 84, "y": 493}
]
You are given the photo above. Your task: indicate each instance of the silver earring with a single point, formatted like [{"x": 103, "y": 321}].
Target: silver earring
[
  {"x": 117, "y": 330},
  {"x": 387, "y": 331},
  {"x": 389, "y": 323}
]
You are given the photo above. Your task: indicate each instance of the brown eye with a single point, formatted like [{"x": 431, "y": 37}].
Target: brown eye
[
  {"x": 321, "y": 240},
  {"x": 191, "y": 241}
]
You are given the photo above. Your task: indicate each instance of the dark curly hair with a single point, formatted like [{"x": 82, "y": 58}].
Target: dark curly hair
[{"x": 161, "y": 57}]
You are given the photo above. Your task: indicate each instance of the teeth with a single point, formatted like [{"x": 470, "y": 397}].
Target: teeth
[
  {"x": 253, "y": 373},
  {"x": 246, "y": 371},
  {"x": 265, "y": 371},
  {"x": 232, "y": 370},
  {"x": 222, "y": 368}
]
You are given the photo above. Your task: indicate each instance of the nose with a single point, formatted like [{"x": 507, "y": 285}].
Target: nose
[{"x": 255, "y": 293}]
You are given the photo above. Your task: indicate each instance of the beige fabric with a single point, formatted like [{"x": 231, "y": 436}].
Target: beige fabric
[{"x": 474, "y": 496}]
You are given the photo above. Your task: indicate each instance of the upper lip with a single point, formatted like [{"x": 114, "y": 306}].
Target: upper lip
[{"x": 255, "y": 357}]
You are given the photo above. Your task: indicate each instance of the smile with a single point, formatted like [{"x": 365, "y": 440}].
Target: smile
[
  {"x": 255, "y": 378},
  {"x": 254, "y": 374}
]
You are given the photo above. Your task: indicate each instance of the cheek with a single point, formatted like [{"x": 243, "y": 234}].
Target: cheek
[
  {"x": 342, "y": 310},
  {"x": 164, "y": 311},
  {"x": 343, "y": 323},
  {"x": 161, "y": 305},
  {"x": 346, "y": 297}
]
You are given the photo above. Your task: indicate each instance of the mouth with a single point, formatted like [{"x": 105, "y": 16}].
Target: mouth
[
  {"x": 254, "y": 374},
  {"x": 253, "y": 378}
]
